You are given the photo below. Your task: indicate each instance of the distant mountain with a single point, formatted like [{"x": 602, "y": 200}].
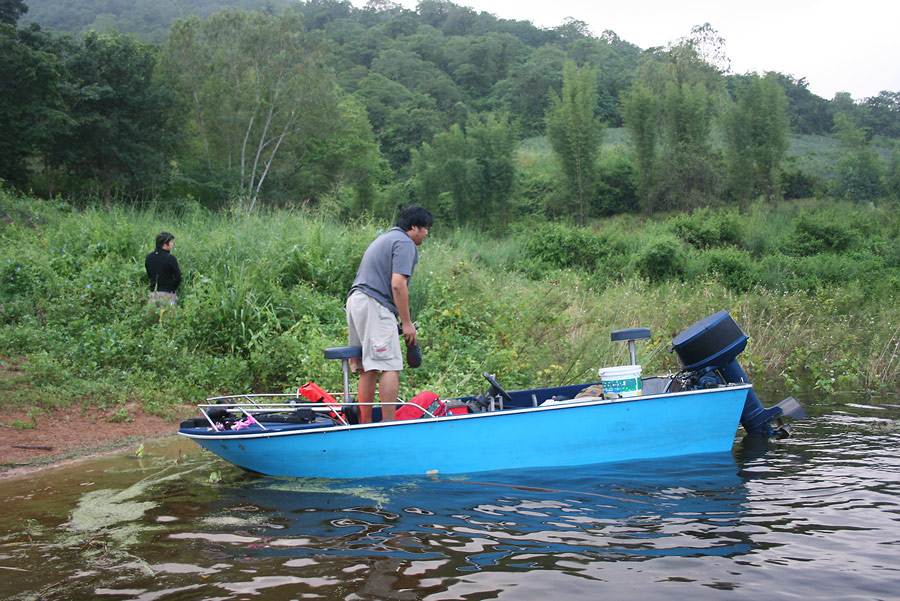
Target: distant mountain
[
  {"x": 448, "y": 58},
  {"x": 148, "y": 20}
]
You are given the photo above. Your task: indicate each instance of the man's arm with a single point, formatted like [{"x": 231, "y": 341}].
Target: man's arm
[{"x": 400, "y": 292}]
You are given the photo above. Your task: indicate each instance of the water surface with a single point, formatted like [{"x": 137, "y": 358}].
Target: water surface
[{"x": 814, "y": 515}]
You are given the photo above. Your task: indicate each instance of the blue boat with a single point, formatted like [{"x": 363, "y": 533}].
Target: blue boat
[{"x": 697, "y": 410}]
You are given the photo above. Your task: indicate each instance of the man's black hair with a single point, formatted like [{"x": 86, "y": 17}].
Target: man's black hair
[
  {"x": 162, "y": 238},
  {"x": 414, "y": 216}
]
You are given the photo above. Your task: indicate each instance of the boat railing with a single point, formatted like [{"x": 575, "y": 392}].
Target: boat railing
[
  {"x": 254, "y": 403},
  {"x": 251, "y": 401}
]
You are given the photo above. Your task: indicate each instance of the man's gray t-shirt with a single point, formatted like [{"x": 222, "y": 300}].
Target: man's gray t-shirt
[{"x": 392, "y": 252}]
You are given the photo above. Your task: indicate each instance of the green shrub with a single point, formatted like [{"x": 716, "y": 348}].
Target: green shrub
[
  {"x": 822, "y": 231},
  {"x": 264, "y": 294},
  {"x": 325, "y": 260},
  {"x": 616, "y": 191},
  {"x": 859, "y": 175},
  {"x": 292, "y": 358},
  {"x": 705, "y": 228},
  {"x": 860, "y": 268},
  {"x": 562, "y": 246},
  {"x": 25, "y": 275},
  {"x": 203, "y": 376},
  {"x": 796, "y": 183},
  {"x": 734, "y": 268},
  {"x": 16, "y": 210},
  {"x": 531, "y": 189},
  {"x": 777, "y": 272},
  {"x": 603, "y": 254},
  {"x": 662, "y": 259}
]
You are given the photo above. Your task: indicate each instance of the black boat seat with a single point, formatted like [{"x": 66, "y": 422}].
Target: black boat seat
[
  {"x": 344, "y": 353},
  {"x": 630, "y": 335}
]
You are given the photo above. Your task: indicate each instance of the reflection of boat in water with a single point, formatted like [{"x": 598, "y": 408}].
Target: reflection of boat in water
[
  {"x": 623, "y": 417},
  {"x": 686, "y": 506}
]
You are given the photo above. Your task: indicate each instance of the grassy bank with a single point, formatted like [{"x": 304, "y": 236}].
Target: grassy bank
[{"x": 814, "y": 286}]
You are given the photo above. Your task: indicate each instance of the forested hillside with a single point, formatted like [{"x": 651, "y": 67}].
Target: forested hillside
[
  {"x": 276, "y": 143},
  {"x": 148, "y": 20},
  {"x": 353, "y": 110}
]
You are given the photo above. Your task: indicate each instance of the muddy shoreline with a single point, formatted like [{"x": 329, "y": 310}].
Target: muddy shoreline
[{"x": 29, "y": 443}]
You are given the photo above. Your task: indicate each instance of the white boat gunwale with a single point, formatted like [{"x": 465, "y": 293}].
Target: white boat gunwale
[{"x": 325, "y": 428}]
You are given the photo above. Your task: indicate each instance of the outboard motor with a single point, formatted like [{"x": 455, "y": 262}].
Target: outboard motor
[{"x": 708, "y": 352}]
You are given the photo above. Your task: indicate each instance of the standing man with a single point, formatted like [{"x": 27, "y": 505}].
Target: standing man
[
  {"x": 378, "y": 297},
  {"x": 163, "y": 272}
]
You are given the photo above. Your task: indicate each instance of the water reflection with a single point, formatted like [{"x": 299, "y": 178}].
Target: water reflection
[
  {"x": 815, "y": 512},
  {"x": 174, "y": 532},
  {"x": 502, "y": 519}
]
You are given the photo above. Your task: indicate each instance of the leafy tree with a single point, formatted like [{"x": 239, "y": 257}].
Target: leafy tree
[
  {"x": 616, "y": 193},
  {"x": 892, "y": 177},
  {"x": 859, "y": 169},
  {"x": 492, "y": 140},
  {"x": 11, "y": 11},
  {"x": 708, "y": 47},
  {"x": 575, "y": 134},
  {"x": 572, "y": 30},
  {"x": 123, "y": 126},
  {"x": 317, "y": 14},
  {"x": 258, "y": 86},
  {"x": 615, "y": 61},
  {"x": 29, "y": 101},
  {"x": 756, "y": 132},
  {"x": 687, "y": 170},
  {"x": 347, "y": 156},
  {"x": 881, "y": 114},
  {"x": 470, "y": 172},
  {"x": 443, "y": 171},
  {"x": 843, "y": 103},
  {"x": 402, "y": 119},
  {"x": 148, "y": 20},
  {"x": 525, "y": 92},
  {"x": 641, "y": 110},
  {"x": 685, "y": 88},
  {"x": 477, "y": 62},
  {"x": 808, "y": 113},
  {"x": 407, "y": 68},
  {"x": 741, "y": 178}
]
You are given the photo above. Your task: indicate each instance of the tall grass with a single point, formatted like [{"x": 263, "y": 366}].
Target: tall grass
[{"x": 263, "y": 295}]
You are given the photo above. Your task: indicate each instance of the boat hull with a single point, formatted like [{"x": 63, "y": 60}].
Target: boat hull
[{"x": 568, "y": 434}]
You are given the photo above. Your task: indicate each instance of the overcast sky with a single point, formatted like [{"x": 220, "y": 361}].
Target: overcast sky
[{"x": 838, "y": 46}]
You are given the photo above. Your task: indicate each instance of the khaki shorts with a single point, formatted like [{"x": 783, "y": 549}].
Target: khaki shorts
[{"x": 372, "y": 326}]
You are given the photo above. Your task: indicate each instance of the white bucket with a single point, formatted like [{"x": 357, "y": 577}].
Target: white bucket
[{"x": 624, "y": 380}]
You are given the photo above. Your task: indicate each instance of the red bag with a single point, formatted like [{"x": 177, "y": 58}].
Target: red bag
[
  {"x": 424, "y": 400},
  {"x": 315, "y": 394}
]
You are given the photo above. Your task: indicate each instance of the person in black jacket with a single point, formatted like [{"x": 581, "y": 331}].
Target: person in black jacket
[{"x": 163, "y": 271}]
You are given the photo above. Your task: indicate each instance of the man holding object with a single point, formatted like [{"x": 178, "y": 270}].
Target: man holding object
[{"x": 378, "y": 297}]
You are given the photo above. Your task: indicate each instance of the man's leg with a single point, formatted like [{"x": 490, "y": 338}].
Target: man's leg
[
  {"x": 366, "y": 394},
  {"x": 388, "y": 390}
]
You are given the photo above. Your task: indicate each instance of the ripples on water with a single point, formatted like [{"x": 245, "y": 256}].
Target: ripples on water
[{"x": 812, "y": 516}]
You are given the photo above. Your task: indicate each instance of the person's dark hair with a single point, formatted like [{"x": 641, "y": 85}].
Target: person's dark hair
[
  {"x": 414, "y": 216},
  {"x": 163, "y": 238}
]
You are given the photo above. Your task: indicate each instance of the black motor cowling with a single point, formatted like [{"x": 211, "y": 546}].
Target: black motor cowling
[{"x": 708, "y": 352}]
